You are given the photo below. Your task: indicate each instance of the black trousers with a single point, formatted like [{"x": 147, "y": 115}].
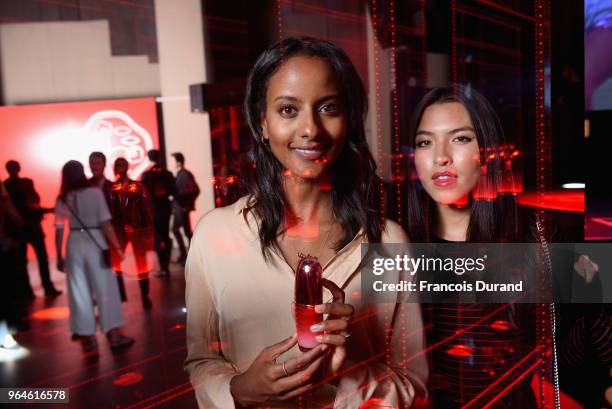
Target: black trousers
[
  {"x": 141, "y": 241},
  {"x": 35, "y": 237},
  {"x": 161, "y": 226},
  {"x": 181, "y": 219}
]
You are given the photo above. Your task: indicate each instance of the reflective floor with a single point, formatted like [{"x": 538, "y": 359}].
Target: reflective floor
[{"x": 149, "y": 374}]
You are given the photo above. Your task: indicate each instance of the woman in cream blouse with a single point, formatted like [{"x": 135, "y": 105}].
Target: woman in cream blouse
[{"x": 314, "y": 191}]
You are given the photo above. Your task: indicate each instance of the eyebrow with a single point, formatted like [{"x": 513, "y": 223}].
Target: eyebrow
[
  {"x": 462, "y": 129},
  {"x": 294, "y": 99}
]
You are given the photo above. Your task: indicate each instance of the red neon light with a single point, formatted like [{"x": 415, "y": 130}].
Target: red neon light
[
  {"x": 567, "y": 201},
  {"x": 461, "y": 351},
  {"x": 127, "y": 379}
]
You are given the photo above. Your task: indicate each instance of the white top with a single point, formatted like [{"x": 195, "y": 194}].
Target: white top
[
  {"x": 237, "y": 304},
  {"x": 90, "y": 205}
]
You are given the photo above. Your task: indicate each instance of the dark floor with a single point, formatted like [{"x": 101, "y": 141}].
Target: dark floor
[{"x": 149, "y": 374}]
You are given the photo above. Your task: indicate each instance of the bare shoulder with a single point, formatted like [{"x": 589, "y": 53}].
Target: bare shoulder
[{"x": 394, "y": 233}]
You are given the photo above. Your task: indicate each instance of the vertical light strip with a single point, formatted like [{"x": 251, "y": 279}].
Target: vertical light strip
[
  {"x": 379, "y": 136},
  {"x": 543, "y": 333},
  {"x": 397, "y": 157},
  {"x": 454, "y": 68}
]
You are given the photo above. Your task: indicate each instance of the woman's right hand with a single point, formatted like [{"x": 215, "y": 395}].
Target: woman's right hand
[{"x": 268, "y": 381}]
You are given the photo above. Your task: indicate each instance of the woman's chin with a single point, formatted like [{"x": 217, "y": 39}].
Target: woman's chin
[{"x": 456, "y": 201}]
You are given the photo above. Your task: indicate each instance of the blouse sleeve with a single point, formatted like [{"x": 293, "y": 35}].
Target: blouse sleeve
[
  {"x": 399, "y": 379},
  {"x": 61, "y": 213},
  {"x": 209, "y": 372}
]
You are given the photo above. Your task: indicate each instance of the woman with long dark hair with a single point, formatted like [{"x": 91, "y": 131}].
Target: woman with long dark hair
[
  {"x": 313, "y": 191},
  {"x": 84, "y": 209},
  {"x": 458, "y": 141}
]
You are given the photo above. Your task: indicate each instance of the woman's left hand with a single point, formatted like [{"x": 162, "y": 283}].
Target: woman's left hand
[{"x": 335, "y": 330}]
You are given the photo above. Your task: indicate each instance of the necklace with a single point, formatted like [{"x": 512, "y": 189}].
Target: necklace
[{"x": 319, "y": 250}]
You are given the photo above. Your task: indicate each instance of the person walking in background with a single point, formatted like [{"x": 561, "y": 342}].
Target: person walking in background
[
  {"x": 187, "y": 190},
  {"x": 97, "y": 164},
  {"x": 133, "y": 222},
  {"x": 27, "y": 202},
  {"x": 84, "y": 209},
  {"x": 159, "y": 182}
]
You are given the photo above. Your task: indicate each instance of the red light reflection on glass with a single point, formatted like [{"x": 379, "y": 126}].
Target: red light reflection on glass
[
  {"x": 461, "y": 351},
  {"x": 500, "y": 325},
  {"x": 127, "y": 379}
]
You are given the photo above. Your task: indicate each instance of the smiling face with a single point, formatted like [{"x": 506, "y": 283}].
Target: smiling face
[
  {"x": 304, "y": 121},
  {"x": 446, "y": 156}
]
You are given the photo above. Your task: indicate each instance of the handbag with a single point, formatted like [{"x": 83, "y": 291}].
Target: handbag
[{"x": 105, "y": 254}]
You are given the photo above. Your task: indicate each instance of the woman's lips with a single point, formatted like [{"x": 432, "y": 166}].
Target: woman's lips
[
  {"x": 444, "y": 179},
  {"x": 308, "y": 153}
]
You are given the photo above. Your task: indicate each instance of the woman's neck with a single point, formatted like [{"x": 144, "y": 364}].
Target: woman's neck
[
  {"x": 452, "y": 223},
  {"x": 309, "y": 201}
]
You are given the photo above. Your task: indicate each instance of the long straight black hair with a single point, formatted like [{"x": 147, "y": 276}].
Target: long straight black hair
[
  {"x": 355, "y": 198},
  {"x": 490, "y": 220},
  {"x": 73, "y": 178}
]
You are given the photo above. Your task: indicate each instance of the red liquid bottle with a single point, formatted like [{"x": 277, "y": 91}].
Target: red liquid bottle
[{"x": 308, "y": 293}]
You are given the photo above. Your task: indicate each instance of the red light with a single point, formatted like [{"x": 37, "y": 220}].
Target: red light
[
  {"x": 127, "y": 379},
  {"x": 500, "y": 325},
  {"x": 461, "y": 351},
  {"x": 375, "y": 403},
  {"x": 568, "y": 201},
  {"x": 53, "y": 313}
]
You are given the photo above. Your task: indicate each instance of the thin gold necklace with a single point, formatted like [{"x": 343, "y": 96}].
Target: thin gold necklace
[{"x": 320, "y": 249}]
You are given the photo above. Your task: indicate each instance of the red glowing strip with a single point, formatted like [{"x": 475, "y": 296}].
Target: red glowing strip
[
  {"x": 511, "y": 385},
  {"x": 498, "y": 380},
  {"x": 569, "y": 201},
  {"x": 279, "y": 22},
  {"x": 324, "y": 11},
  {"x": 463, "y": 9},
  {"x": 142, "y": 361},
  {"x": 461, "y": 351},
  {"x": 396, "y": 141},
  {"x": 454, "y": 74},
  {"x": 604, "y": 221},
  {"x": 507, "y": 10},
  {"x": 456, "y": 334}
]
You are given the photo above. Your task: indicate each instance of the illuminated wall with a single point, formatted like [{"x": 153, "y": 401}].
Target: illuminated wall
[{"x": 44, "y": 137}]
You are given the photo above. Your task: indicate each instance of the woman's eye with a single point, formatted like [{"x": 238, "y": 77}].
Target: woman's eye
[
  {"x": 422, "y": 144},
  {"x": 287, "y": 110},
  {"x": 463, "y": 139},
  {"x": 329, "y": 108}
]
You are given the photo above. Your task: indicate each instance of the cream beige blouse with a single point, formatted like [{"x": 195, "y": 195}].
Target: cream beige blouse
[{"x": 237, "y": 304}]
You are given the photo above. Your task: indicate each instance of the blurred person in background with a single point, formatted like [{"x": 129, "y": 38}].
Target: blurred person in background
[
  {"x": 27, "y": 202},
  {"x": 159, "y": 182},
  {"x": 187, "y": 191},
  {"x": 97, "y": 164},
  {"x": 133, "y": 222},
  {"x": 84, "y": 209}
]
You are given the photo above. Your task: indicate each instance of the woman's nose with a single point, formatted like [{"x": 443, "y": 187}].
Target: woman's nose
[
  {"x": 309, "y": 127},
  {"x": 442, "y": 158}
]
